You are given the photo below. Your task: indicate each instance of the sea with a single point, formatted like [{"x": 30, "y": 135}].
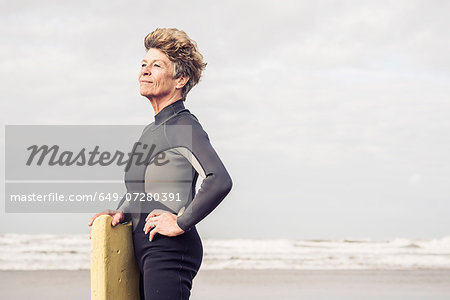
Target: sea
[{"x": 72, "y": 252}]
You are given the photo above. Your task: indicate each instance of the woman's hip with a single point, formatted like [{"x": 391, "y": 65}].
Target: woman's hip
[{"x": 186, "y": 248}]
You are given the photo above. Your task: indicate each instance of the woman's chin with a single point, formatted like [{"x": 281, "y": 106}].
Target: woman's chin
[{"x": 146, "y": 93}]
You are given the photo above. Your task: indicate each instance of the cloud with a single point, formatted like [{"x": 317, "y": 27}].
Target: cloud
[
  {"x": 415, "y": 179},
  {"x": 347, "y": 95}
]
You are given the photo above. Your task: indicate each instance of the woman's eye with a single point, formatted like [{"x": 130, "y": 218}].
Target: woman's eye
[
  {"x": 143, "y": 65},
  {"x": 156, "y": 65}
]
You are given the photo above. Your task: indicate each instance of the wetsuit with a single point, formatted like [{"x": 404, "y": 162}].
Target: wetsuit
[{"x": 174, "y": 150}]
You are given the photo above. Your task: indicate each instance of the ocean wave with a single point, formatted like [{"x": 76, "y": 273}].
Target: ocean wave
[{"x": 72, "y": 252}]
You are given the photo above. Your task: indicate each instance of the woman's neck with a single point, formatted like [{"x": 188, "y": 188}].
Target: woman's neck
[{"x": 159, "y": 103}]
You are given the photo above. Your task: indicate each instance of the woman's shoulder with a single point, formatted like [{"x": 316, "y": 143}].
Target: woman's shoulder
[
  {"x": 184, "y": 126},
  {"x": 184, "y": 117}
]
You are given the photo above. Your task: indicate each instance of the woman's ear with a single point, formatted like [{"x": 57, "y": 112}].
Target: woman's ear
[{"x": 181, "y": 81}]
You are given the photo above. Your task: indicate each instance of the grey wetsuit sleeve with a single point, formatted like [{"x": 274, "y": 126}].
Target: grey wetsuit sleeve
[
  {"x": 124, "y": 205},
  {"x": 216, "y": 183},
  {"x": 125, "y": 208}
]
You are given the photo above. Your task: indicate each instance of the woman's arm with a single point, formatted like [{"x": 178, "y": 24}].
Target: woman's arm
[
  {"x": 216, "y": 184},
  {"x": 124, "y": 206}
]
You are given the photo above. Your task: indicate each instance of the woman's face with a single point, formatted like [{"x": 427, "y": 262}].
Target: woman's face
[{"x": 156, "y": 76}]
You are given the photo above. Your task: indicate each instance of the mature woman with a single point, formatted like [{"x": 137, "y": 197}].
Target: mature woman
[{"x": 161, "y": 200}]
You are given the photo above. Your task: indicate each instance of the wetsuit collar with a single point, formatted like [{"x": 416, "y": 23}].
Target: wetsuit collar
[{"x": 169, "y": 111}]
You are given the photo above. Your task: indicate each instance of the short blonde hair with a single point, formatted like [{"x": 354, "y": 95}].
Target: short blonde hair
[{"x": 182, "y": 51}]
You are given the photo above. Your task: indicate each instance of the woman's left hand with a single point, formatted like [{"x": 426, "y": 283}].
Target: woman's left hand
[{"x": 162, "y": 223}]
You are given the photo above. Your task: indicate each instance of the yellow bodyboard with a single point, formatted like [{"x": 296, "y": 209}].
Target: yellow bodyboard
[{"x": 114, "y": 272}]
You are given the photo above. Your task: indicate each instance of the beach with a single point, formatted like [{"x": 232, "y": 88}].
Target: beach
[{"x": 251, "y": 284}]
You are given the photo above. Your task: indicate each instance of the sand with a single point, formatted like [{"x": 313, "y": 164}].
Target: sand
[{"x": 250, "y": 284}]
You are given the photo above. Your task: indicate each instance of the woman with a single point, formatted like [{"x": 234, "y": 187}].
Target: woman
[{"x": 161, "y": 200}]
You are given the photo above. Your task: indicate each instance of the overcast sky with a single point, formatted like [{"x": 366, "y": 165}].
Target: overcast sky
[{"x": 332, "y": 117}]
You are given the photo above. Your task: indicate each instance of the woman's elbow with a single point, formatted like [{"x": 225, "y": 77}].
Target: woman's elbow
[
  {"x": 220, "y": 182},
  {"x": 227, "y": 184}
]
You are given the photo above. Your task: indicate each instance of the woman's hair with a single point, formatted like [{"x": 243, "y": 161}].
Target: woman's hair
[{"x": 182, "y": 51}]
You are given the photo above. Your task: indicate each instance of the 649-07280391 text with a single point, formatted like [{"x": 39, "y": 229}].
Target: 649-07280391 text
[{"x": 97, "y": 196}]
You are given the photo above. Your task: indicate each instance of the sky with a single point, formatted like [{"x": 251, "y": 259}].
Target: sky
[{"x": 332, "y": 117}]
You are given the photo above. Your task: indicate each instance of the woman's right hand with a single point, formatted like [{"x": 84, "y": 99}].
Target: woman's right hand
[{"x": 117, "y": 217}]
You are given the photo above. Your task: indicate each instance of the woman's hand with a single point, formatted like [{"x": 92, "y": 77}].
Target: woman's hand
[
  {"x": 162, "y": 223},
  {"x": 117, "y": 217}
]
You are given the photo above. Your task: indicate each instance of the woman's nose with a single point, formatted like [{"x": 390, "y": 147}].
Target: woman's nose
[{"x": 145, "y": 71}]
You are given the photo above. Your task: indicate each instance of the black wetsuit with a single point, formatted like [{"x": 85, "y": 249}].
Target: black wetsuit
[{"x": 175, "y": 151}]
